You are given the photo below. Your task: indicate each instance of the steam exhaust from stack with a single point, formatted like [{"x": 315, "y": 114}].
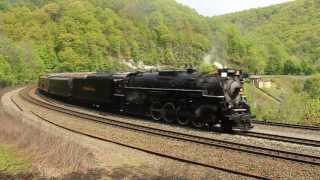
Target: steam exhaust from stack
[{"x": 208, "y": 59}]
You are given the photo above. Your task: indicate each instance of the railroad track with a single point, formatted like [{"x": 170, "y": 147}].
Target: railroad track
[
  {"x": 297, "y": 157},
  {"x": 307, "y": 142},
  {"x": 315, "y": 128},
  {"x": 274, "y": 137},
  {"x": 301, "y": 141},
  {"x": 59, "y": 109}
]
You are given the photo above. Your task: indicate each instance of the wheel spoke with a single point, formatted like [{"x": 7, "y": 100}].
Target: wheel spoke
[
  {"x": 183, "y": 116},
  {"x": 156, "y": 111},
  {"x": 169, "y": 112}
]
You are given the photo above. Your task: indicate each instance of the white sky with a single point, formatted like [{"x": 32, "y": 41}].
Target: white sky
[{"x": 218, "y": 7}]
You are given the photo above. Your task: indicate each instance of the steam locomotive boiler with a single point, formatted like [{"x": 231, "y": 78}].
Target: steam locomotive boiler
[{"x": 185, "y": 97}]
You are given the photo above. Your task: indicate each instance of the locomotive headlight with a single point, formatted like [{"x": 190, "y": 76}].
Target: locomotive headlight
[
  {"x": 224, "y": 74},
  {"x": 241, "y": 91}
]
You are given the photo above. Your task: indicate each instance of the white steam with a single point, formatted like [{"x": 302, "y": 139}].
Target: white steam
[
  {"x": 218, "y": 54},
  {"x": 210, "y": 59},
  {"x": 218, "y": 65}
]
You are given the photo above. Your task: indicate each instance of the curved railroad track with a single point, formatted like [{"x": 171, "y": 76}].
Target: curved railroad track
[
  {"x": 306, "y": 142},
  {"x": 26, "y": 97},
  {"x": 297, "y": 157},
  {"x": 274, "y": 137},
  {"x": 314, "y": 128}
]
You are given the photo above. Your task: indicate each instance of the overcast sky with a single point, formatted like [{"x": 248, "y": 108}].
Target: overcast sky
[{"x": 218, "y": 7}]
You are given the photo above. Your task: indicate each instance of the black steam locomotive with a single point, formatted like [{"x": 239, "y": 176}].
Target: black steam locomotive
[{"x": 184, "y": 97}]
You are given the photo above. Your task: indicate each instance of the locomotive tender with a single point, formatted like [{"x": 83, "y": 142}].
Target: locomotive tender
[{"x": 185, "y": 97}]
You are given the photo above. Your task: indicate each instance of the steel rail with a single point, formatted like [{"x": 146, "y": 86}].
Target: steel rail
[
  {"x": 15, "y": 103},
  {"x": 295, "y": 126},
  {"x": 250, "y": 175},
  {"x": 152, "y": 152},
  {"x": 303, "y": 158},
  {"x": 306, "y": 142}
]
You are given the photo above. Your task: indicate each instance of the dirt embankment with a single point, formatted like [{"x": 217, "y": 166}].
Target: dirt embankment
[
  {"x": 57, "y": 154},
  {"x": 50, "y": 156}
]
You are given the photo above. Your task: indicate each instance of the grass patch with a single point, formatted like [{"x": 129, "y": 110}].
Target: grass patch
[
  {"x": 295, "y": 107},
  {"x": 11, "y": 162},
  {"x": 291, "y": 109},
  {"x": 264, "y": 107},
  {"x": 286, "y": 85},
  {"x": 49, "y": 155}
]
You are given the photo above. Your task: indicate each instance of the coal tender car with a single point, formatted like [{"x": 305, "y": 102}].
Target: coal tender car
[{"x": 185, "y": 97}]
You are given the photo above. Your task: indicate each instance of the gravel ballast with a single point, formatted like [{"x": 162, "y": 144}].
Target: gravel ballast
[
  {"x": 114, "y": 162},
  {"x": 315, "y": 151},
  {"x": 274, "y": 168}
]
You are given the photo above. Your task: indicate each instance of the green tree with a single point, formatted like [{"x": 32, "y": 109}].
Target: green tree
[
  {"x": 71, "y": 60},
  {"x": 312, "y": 86},
  {"x": 3, "y": 6},
  {"x": 207, "y": 69},
  {"x": 6, "y": 74},
  {"x": 168, "y": 57},
  {"x": 290, "y": 67}
]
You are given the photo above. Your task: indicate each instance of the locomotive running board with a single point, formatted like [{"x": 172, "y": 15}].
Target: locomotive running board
[
  {"x": 120, "y": 95},
  {"x": 163, "y": 89},
  {"x": 210, "y": 96}
]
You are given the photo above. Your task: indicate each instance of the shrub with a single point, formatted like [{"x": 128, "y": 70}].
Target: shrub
[
  {"x": 206, "y": 68},
  {"x": 312, "y": 86}
]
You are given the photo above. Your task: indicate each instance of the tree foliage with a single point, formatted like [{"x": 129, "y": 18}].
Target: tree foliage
[
  {"x": 206, "y": 68},
  {"x": 312, "y": 86},
  {"x": 92, "y": 35},
  {"x": 286, "y": 36},
  {"x": 38, "y": 36}
]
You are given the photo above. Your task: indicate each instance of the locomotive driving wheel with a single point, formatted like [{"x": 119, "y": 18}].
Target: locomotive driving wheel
[
  {"x": 205, "y": 116},
  {"x": 226, "y": 125},
  {"x": 169, "y": 112},
  {"x": 156, "y": 111},
  {"x": 198, "y": 123},
  {"x": 183, "y": 116}
]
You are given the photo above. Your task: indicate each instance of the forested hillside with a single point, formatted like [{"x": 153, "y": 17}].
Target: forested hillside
[
  {"x": 38, "y": 36},
  {"x": 283, "y": 39}
]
